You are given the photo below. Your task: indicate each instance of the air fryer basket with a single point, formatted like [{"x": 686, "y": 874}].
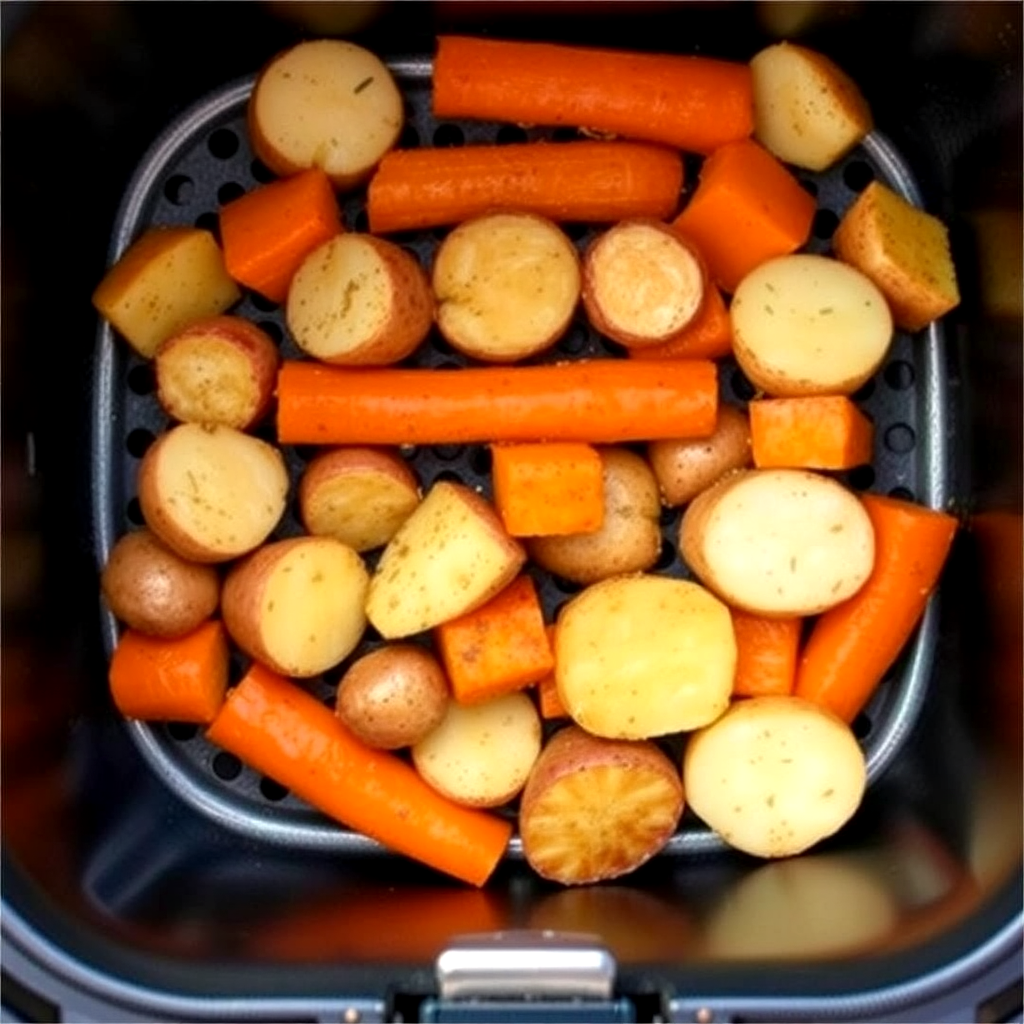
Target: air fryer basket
[{"x": 150, "y": 876}]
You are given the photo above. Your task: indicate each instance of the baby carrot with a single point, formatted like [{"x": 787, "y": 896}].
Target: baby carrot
[
  {"x": 766, "y": 651},
  {"x": 816, "y": 432},
  {"x": 852, "y": 645},
  {"x": 281, "y": 730},
  {"x": 564, "y": 181},
  {"x": 268, "y": 232},
  {"x": 692, "y": 103},
  {"x": 601, "y": 400},
  {"x": 171, "y": 680},
  {"x": 747, "y": 209},
  {"x": 708, "y": 336}
]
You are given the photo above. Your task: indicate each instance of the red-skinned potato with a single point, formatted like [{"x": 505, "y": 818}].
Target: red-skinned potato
[{"x": 219, "y": 370}]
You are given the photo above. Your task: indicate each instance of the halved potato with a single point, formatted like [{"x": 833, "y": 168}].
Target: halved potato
[
  {"x": 212, "y": 493},
  {"x": 506, "y": 286},
  {"x": 325, "y": 103},
  {"x": 809, "y": 325},
  {"x": 360, "y": 496},
  {"x": 297, "y": 605},
  {"x": 359, "y": 300},
  {"x": 166, "y": 279},
  {"x": 643, "y": 656},
  {"x": 219, "y": 370},
  {"x": 643, "y": 283},
  {"x": 774, "y": 775},
  {"x": 449, "y": 557},
  {"x": 779, "y": 542}
]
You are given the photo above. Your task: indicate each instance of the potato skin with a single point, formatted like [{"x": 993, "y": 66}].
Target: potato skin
[
  {"x": 393, "y": 696},
  {"x": 155, "y": 591},
  {"x": 685, "y": 468},
  {"x": 629, "y": 539}
]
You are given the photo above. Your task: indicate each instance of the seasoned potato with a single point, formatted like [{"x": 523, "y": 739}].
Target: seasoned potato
[
  {"x": 629, "y": 539},
  {"x": 596, "y": 808},
  {"x": 360, "y": 496},
  {"x": 325, "y": 103},
  {"x": 394, "y": 696},
  {"x": 807, "y": 111},
  {"x": 643, "y": 656},
  {"x": 779, "y": 542},
  {"x": 809, "y": 325},
  {"x": 481, "y": 754},
  {"x": 506, "y": 286},
  {"x": 774, "y": 775},
  {"x": 219, "y": 370},
  {"x": 212, "y": 493},
  {"x": 164, "y": 280},
  {"x": 155, "y": 591},
  {"x": 685, "y": 468},
  {"x": 643, "y": 283},
  {"x": 296, "y": 605},
  {"x": 357, "y": 300}
]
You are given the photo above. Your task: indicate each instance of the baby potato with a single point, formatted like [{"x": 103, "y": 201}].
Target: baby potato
[
  {"x": 155, "y": 591},
  {"x": 394, "y": 696}
]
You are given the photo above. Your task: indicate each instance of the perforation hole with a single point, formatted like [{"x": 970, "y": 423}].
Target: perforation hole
[
  {"x": 669, "y": 516},
  {"x": 182, "y": 731},
  {"x": 133, "y": 511},
  {"x": 138, "y": 441},
  {"x": 262, "y": 303},
  {"x": 226, "y": 766},
  {"x": 666, "y": 557},
  {"x": 899, "y": 375},
  {"x": 179, "y": 189},
  {"x": 448, "y": 476},
  {"x": 900, "y": 438},
  {"x": 271, "y": 790},
  {"x": 223, "y": 144},
  {"x": 565, "y": 134},
  {"x": 261, "y": 172},
  {"x": 229, "y": 191},
  {"x": 448, "y": 135},
  {"x": 862, "y": 726},
  {"x": 273, "y": 329},
  {"x": 142, "y": 379},
  {"x": 825, "y": 224},
  {"x": 564, "y": 585},
  {"x": 809, "y": 186},
  {"x": 448, "y": 452},
  {"x": 209, "y": 222},
  {"x": 741, "y": 387},
  {"x": 857, "y": 175},
  {"x": 509, "y": 134},
  {"x": 574, "y": 341},
  {"x": 480, "y": 460},
  {"x": 410, "y": 137},
  {"x": 902, "y": 494},
  {"x": 865, "y": 391},
  {"x": 861, "y": 478},
  {"x": 362, "y": 221}
]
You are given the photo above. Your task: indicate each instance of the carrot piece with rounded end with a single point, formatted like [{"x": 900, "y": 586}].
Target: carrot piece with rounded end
[
  {"x": 596, "y": 401},
  {"x": 709, "y": 335},
  {"x": 692, "y": 103},
  {"x": 747, "y": 208},
  {"x": 498, "y": 648},
  {"x": 766, "y": 653},
  {"x": 549, "y": 702},
  {"x": 587, "y": 180},
  {"x": 290, "y": 736},
  {"x": 268, "y": 232},
  {"x": 853, "y": 645},
  {"x": 155, "y": 679},
  {"x": 816, "y": 432},
  {"x": 545, "y": 490}
]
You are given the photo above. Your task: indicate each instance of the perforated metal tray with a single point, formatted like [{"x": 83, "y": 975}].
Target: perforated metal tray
[{"x": 204, "y": 160}]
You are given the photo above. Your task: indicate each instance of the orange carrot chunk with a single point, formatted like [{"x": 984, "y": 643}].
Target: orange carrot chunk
[
  {"x": 708, "y": 336},
  {"x": 853, "y": 645},
  {"x": 545, "y": 490},
  {"x": 287, "y": 734},
  {"x": 766, "y": 652},
  {"x": 597, "y": 401},
  {"x": 817, "y": 432},
  {"x": 549, "y": 702},
  {"x": 268, "y": 232},
  {"x": 570, "y": 181},
  {"x": 500, "y": 647},
  {"x": 155, "y": 679},
  {"x": 692, "y": 103},
  {"x": 747, "y": 209}
]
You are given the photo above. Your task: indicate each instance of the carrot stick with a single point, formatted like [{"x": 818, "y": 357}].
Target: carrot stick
[
  {"x": 267, "y": 233},
  {"x": 498, "y": 648},
  {"x": 816, "y": 432},
  {"x": 692, "y": 103},
  {"x": 155, "y": 679},
  {"x": 601, "y": 400},
  {"x": 747, "y": 209},
  {"x": 853, "y": 645},
  {"x": 708, "y": 336},
  {"x": 550, "y": 703},
  {"x": 545, "y": 490},
  {"x": 565, "y": 181},
  {"x": 766, "y": 651},
  {"x": 281, "y": 730}
]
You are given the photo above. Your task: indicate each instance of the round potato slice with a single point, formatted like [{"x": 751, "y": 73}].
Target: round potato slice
[
  {"x": 809, "y": 325},
  {"x": 642, "y": 656},
  {"x": 481, "y": 754},
  {"x": 774, "y": 775}
]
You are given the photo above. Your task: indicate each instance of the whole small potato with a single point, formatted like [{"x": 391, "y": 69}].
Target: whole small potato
[
  {"x": 685, "y": 468},
  {"x": 155, "y": 591},
  {"x": 629, "y": 540},
  {"x": 393, "y": 696}
]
